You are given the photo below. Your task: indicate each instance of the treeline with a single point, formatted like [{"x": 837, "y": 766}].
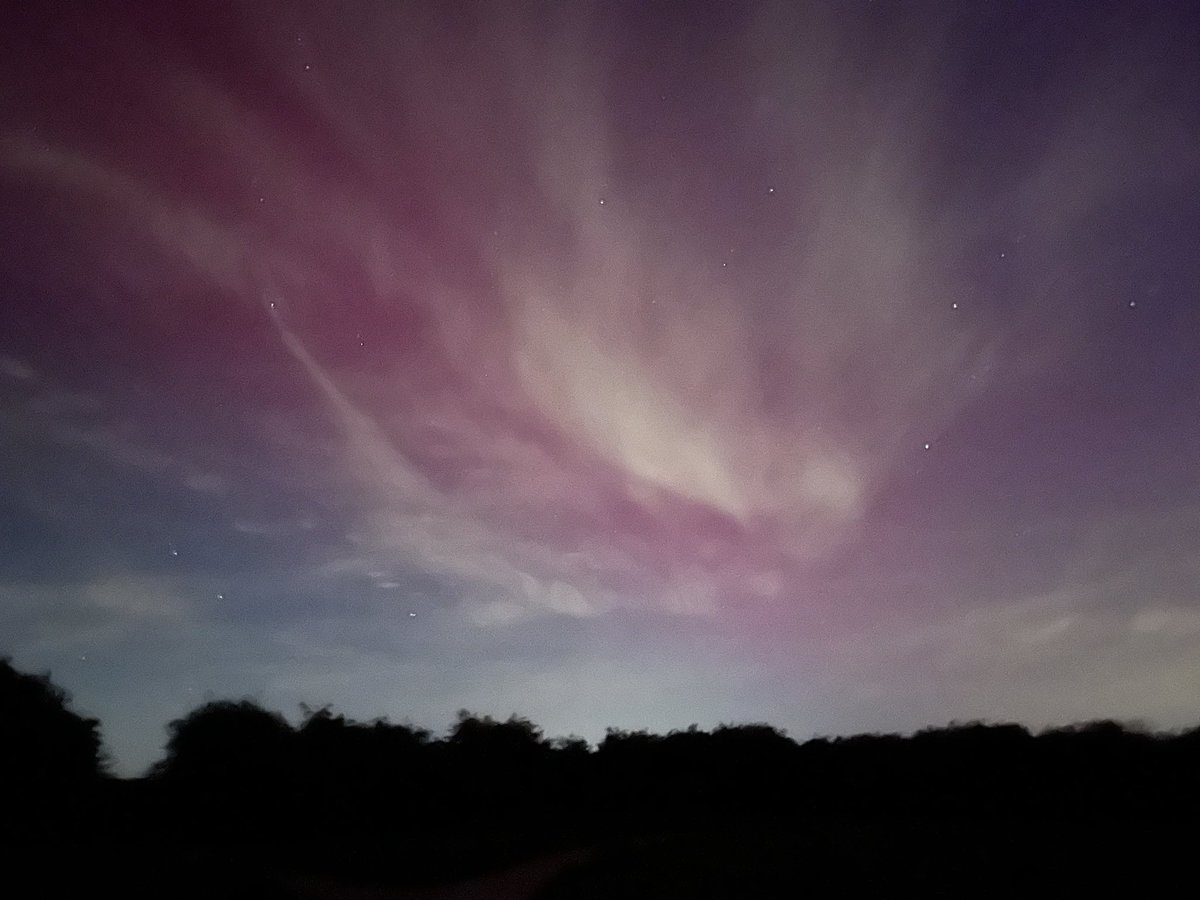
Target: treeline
[
  {"x": 334, "y": 793},
  {"x": 228, "y": 757}
]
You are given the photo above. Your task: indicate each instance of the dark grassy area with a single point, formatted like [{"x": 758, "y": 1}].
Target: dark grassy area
[
  {"x": 245, "y": 804},
  {"x": 893, "y": 856},
  {"x": 951, "y": 857}
]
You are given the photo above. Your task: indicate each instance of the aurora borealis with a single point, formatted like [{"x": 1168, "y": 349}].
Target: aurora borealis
[{"x": 834, "y": 365}]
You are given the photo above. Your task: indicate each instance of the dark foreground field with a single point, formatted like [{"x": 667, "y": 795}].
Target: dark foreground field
[
  {"x": 877, "y": 857},
  {"x": 245, "y": 804}
]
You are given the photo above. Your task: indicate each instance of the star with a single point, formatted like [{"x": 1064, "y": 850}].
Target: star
[{"x": 926, "y": 446}]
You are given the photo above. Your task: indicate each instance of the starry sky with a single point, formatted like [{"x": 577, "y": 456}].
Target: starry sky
[{"x": 619, "y": 364}]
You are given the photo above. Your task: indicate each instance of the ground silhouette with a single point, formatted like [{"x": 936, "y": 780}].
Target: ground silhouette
[{"x": 244, "y": 803}]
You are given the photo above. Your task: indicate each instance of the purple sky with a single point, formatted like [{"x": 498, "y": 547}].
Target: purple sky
[{"x": 620, "y": 364}]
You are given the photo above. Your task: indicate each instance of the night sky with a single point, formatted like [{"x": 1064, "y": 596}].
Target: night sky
[{"x": 637, "y": 364}]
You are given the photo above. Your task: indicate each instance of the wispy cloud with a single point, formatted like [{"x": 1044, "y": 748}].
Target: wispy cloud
[{"x": 16, "y": 369}]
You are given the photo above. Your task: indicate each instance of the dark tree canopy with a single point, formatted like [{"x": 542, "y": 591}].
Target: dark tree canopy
[
  {"x": 377, "y": 801},
  {"x": 42, "y": 742},
  {"x": 516, "y": 736},
  {"x": 225, "y": 741}
]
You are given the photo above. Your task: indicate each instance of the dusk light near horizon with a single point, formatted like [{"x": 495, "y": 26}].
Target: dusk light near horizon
[{"x": 831, "y": 365}]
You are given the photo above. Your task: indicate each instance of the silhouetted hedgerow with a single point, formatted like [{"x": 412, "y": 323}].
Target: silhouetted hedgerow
[
  {"x": 338, "y": 798},
  {"x": 505, "y": 775}
]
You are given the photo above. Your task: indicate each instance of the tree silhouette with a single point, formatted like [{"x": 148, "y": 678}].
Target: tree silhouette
[
  {"x": 363, "y": 776},
  {"x": 232, "y": 766},
  {"x": 41, "y": 740},
  {"x": 733, "y": 809},
  {"x": 516, "y": 737},
  {"x": 225, "y": 740},
  {"x": 50, "y": 757}
]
